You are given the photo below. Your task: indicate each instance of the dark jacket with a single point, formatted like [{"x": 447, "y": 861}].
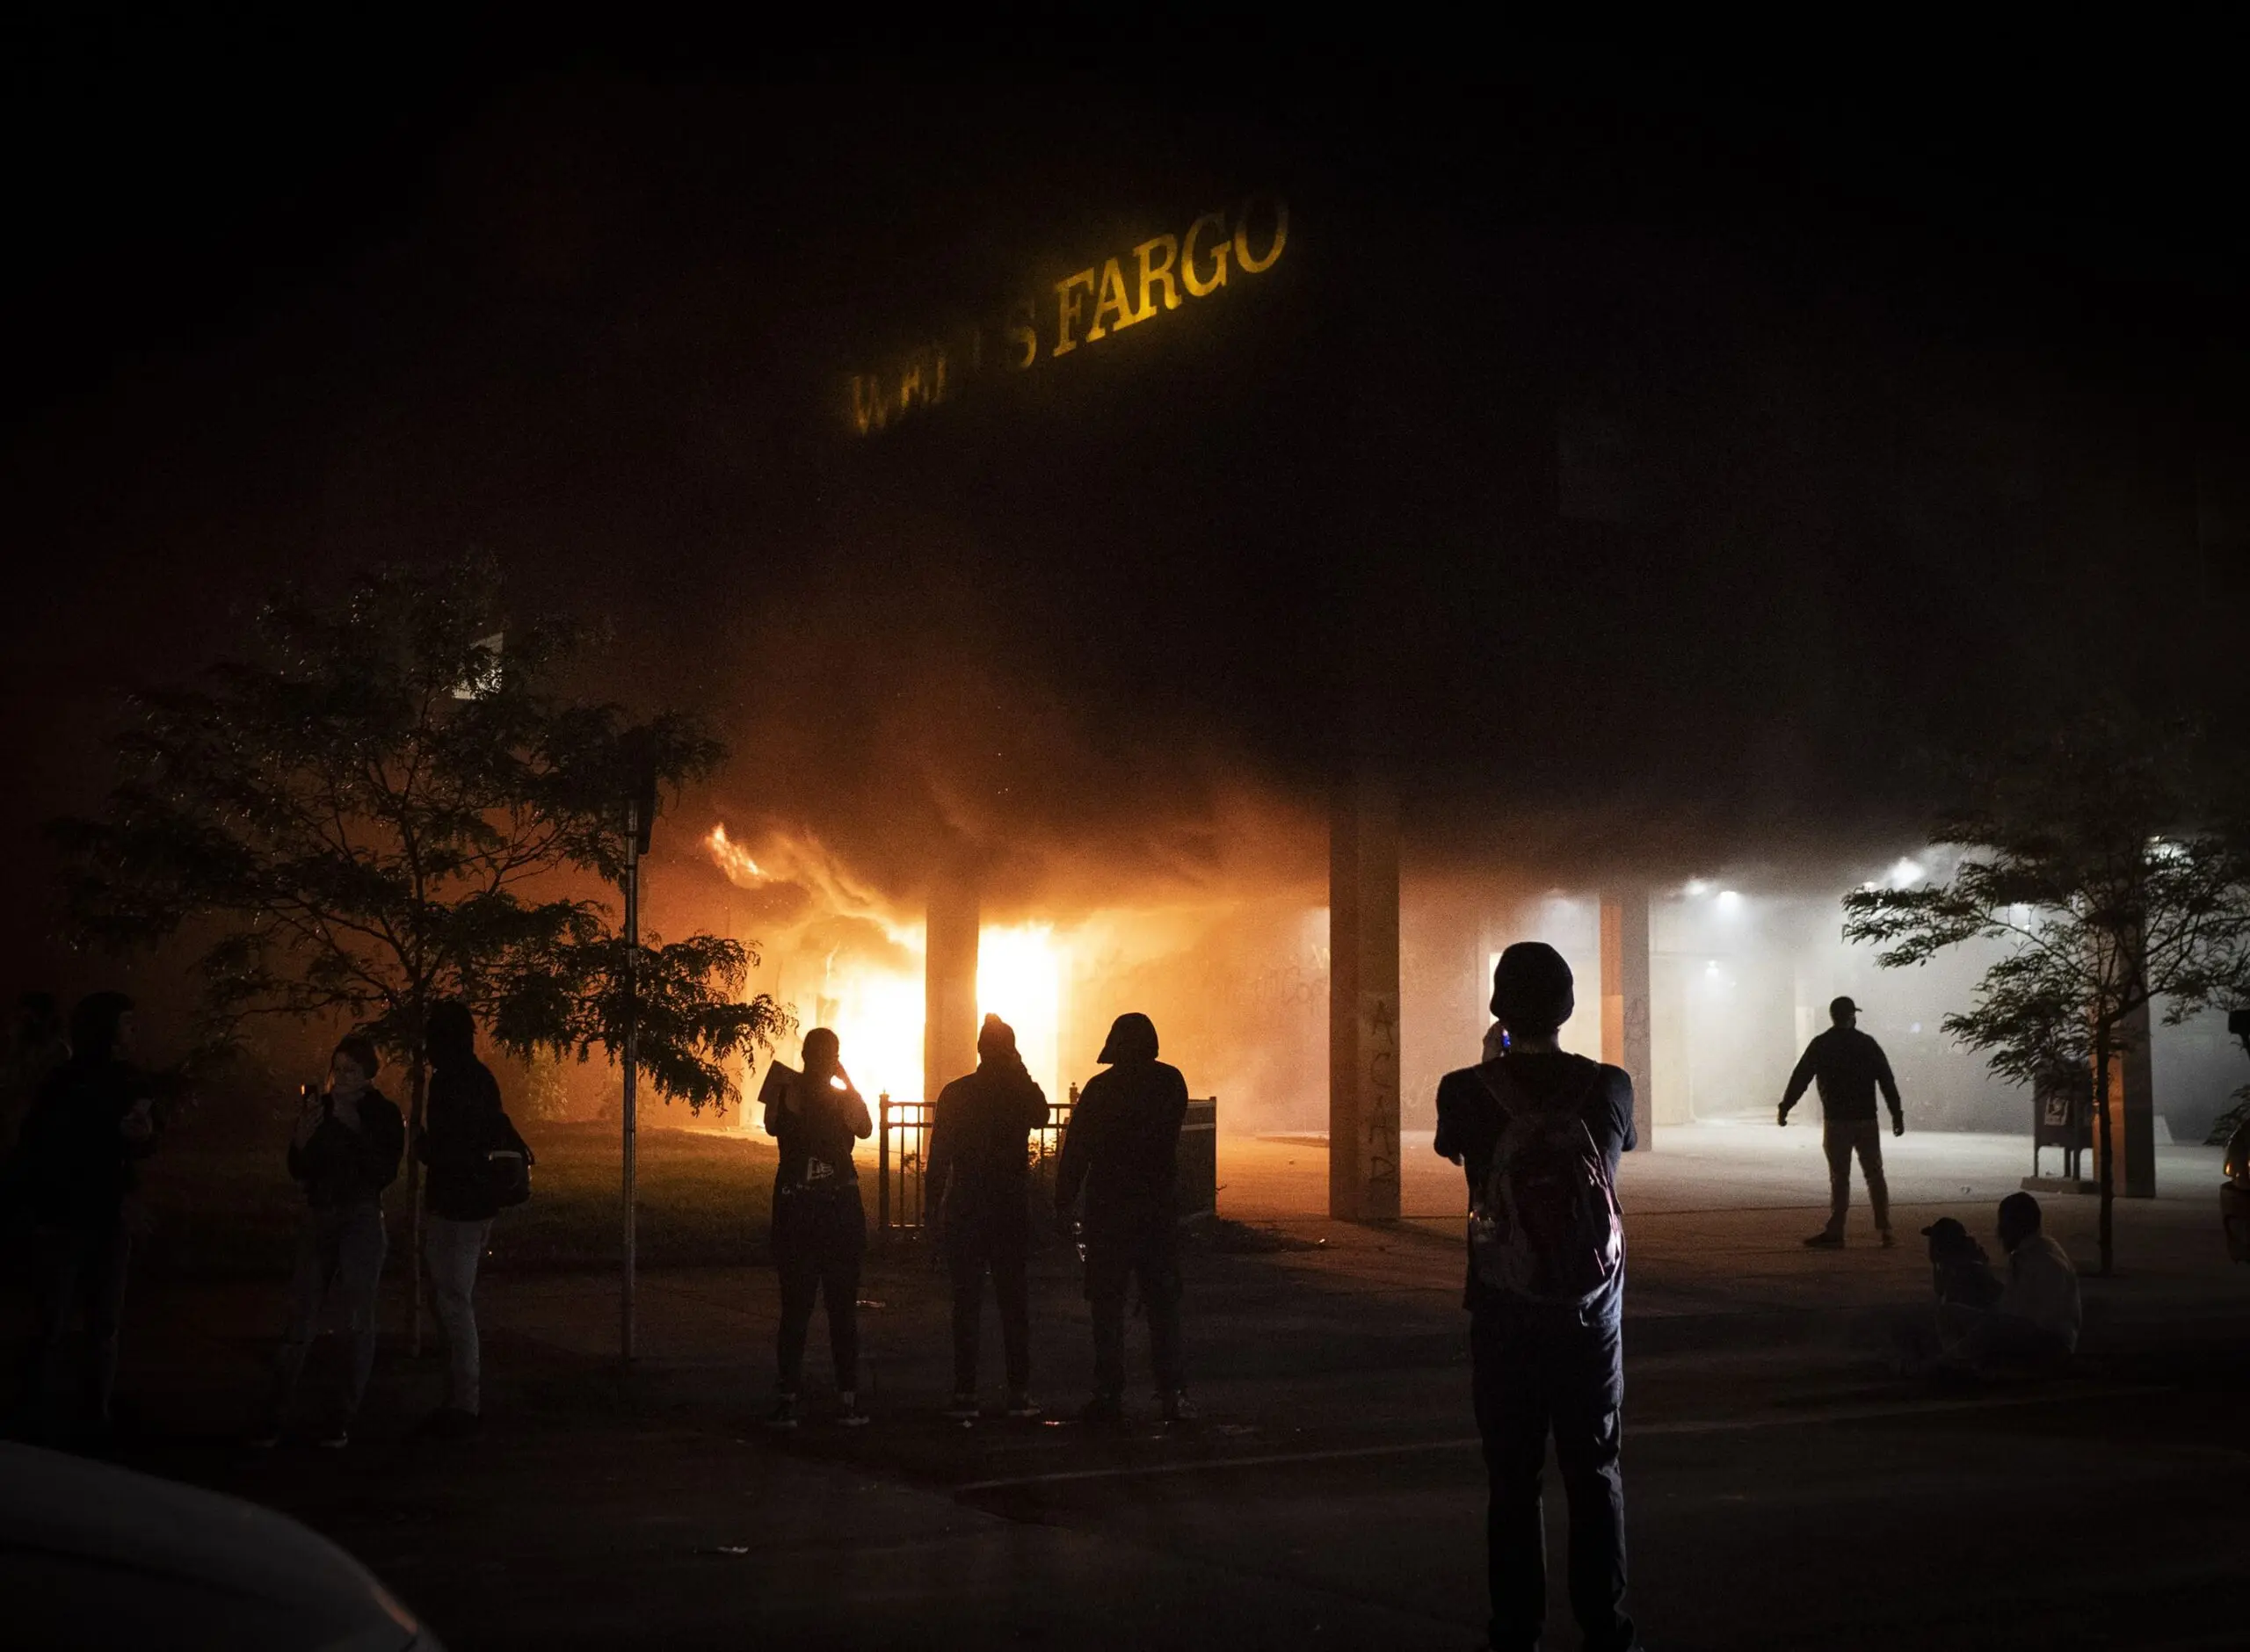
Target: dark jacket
[
  {"x": 978, "y": 1161},
  {"x": 1849, "y": 1067},
  {"x": 1469, "y": 1120},
  {"x": 340, "y": 1166},
  {"x": 815, "y": 1135},
  {"x": 462, "y": 1123},
  {"x": 1123, "y": 1148},
  {"x": 74, "y": 1163}
]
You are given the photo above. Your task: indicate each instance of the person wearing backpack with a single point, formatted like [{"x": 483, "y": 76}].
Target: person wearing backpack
[
  {"x": 478, "y": 1165},
  {"x": 1538, "y": 1132}
]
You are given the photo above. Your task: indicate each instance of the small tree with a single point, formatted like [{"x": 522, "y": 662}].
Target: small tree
[
  {"x": 379, "y": 809},
  {"x": 2103, "y": 863}
]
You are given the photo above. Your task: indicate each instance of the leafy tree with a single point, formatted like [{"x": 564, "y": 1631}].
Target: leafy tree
[
  {"x": 2106, "y": 862},
  {"x": 385, "y": 805}
]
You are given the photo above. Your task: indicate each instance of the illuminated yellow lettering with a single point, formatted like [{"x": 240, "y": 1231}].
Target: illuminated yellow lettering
[
  {"x": 1256, "y": 266},
  {"x": 1022, "y": 334},
  {"x": 868, "y": 413},
  {"x": 1112, "y": 302},
  {"x": 1197, "y": 285},
  {"x": 910, "y": 385},
  {"x": 1153, "y": 271},
  {"x": 1068, "y": 309}
]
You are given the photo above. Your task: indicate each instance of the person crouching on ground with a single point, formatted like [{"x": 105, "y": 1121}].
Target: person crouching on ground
[
  {"x": 1538, "y": 1132},
  {"x": 977, "y": 1181},
  {"x": 344, "y": 1152},
  {"x": 465, "y": 1126},
  {"x": 1122, "y": 1151},
  {"x": 820, "y": 1227},
  {"x": 2035, "y": 1322}
]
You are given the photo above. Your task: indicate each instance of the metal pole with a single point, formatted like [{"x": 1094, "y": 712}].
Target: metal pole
[
  {"x": 631, "y": 1061},
  {"x": 883, "y": 1166}
]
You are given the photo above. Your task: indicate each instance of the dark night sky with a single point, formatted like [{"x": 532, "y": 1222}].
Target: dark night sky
[{"x": 1895, "y": 383}]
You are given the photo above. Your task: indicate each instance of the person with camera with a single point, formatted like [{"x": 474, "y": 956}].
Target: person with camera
[
  {"x": 343, "y": 1151},
  {"x": 820, "y": 1225},
  {"x": 478, "y": 1165}
]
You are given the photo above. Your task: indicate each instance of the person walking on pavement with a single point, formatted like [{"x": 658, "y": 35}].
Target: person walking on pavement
[
  {"x": 1849, "y": 1067},
  {"x": 465, "y": 1126},
  {"x": 1538, "y": 1132},
  {"x": 344, "y": 1152},
  {"x": 820, "y": 1225},
  {"x": 1122, "y": 1152},
  {"x": 977, "y": 1181}
]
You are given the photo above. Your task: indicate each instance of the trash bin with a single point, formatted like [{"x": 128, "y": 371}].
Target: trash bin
[{"x": 1199, "y": 1159}]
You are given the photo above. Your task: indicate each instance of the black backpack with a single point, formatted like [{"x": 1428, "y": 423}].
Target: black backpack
[{"x": 1544, "y": 1224}]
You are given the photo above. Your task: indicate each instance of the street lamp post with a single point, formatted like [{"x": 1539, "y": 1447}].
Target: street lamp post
[{"x": 640, "y": 821}]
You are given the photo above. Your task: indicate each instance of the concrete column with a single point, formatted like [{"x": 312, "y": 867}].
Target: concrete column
[
  {"x": 949, "y": 1005},
  {"x": 1363, "y": 1001},
  {"x": 1625, "y": 1011},
  {"x": 2137, "y": 1076}
]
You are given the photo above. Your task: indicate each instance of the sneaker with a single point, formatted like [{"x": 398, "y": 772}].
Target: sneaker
[
  {"x": 784, "y": 1414},
  {"x": 1890, "y": 1239},
  {"x": 1023, "y": 1408},
  {"x": 264, "y": 1438},
  {"x": 336, "y": 1438},
  {"x": 961, "y": 1408},
  {"x": 1824, "y": 1240},
  {"x": 1104, "y": 1410},
  {"x": 848, "y": 1413},
  {"x": 1178, "y": 1407}
]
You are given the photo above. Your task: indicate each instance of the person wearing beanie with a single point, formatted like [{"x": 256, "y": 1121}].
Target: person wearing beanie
[
  {"x": 1122, "y": 1152},
  {"x": 976, "y": 1184},
  {"x": 1546, "y": 1332}
]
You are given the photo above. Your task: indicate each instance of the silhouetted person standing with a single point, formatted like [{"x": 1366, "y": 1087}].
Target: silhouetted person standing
[
  {"x": 820, "y": 1225},
  {"x": 1122, "y": 1151},
  {"x": 976, "y": 1179},
  {"x": 37, "y": 1045},
  {"x": 343, "y": 1151},
  {"x": 1849, "y": 1067},
  {"x": 464, "y": 1126},
  {"x": 77, "y": 1163},
  {"x": 1539, "y": 1132}
]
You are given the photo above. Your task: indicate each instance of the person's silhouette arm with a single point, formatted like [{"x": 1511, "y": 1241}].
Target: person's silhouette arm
[
  {"x": 1889, "y": 1088},
  {"x": 1799, "y": 1081},
  {"x": 1077, "y": 1158}
]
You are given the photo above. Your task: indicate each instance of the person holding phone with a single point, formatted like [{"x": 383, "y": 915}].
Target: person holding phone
[
  {"x": 820, "y": 1225},
  {"x": 344, "y": 1149}
]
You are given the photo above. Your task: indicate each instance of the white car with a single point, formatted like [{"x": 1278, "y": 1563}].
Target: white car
[{"x": 93, "y": 1555}]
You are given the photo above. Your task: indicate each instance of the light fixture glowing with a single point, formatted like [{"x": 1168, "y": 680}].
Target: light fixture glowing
[
  {"x": 1730, "y": 899},
  {"x": 1698, "y": 886},
  {"x": 1905, "y": 872}
]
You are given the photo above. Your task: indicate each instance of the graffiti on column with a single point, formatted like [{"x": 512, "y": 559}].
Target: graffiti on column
[{"x": 1381, "y": 1155}]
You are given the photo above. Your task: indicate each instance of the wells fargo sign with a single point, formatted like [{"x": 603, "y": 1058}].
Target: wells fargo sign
[{"x": 1082, "y": 308}]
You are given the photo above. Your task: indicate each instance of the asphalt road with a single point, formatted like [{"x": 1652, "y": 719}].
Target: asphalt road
[{"x": 1778, "y": 1498}]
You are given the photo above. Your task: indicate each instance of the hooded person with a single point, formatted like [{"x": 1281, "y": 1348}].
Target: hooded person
[
  {"x": 820, "y": 1225},
  {"x": 976, "y": 1179},
  {"x": 1538, "y": 1132},
  {"x": 1121, "y": 1153}
]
